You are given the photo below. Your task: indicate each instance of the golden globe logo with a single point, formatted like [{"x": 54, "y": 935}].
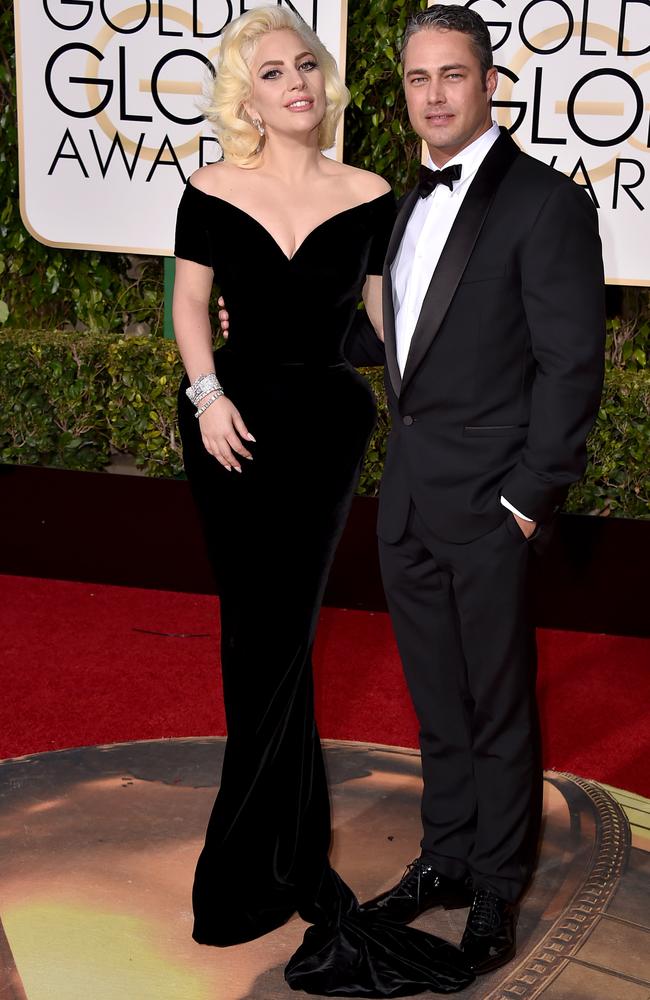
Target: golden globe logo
[{"x": 115, "y": 84}]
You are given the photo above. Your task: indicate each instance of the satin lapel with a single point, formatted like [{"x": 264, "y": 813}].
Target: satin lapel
[
  {"x": 390, "y": 344},
  {"x": 458, "y": 249}
]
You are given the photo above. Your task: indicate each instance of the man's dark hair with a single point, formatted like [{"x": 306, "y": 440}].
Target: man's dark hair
[{"x": 453, "y": 17}]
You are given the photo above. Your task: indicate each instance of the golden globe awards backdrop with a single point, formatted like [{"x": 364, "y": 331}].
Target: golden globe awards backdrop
[
  {"x": 575, "y": 91},
  {"x": 109, "y": 122}
]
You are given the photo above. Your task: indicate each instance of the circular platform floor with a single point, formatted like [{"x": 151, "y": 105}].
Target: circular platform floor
[{"x": 99, "y": 844}]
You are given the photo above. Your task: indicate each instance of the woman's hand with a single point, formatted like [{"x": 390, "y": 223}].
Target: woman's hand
[{"x": 223, "y": 432}]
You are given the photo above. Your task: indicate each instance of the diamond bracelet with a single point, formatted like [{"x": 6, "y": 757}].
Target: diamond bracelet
[
  {"x": 215, "y": 396},
  {"x": 202, "y": 386}
]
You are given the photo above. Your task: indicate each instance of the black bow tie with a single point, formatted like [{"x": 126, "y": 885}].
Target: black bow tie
[{"x": 429, "y": 179}]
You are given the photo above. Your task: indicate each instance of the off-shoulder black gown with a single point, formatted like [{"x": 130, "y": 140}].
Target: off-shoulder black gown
[{"x": 271, "y": 533}]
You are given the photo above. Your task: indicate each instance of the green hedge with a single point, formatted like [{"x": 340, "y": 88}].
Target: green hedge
[
  {"x": 53, "y": 401},
  {"x": 617, "y": 480},
  {"x": 76, "y": 400}
]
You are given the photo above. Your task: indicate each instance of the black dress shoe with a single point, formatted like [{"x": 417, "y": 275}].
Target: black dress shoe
[
  {"x": 420, "y": 888},
  {"x": 489, "y": 940}
]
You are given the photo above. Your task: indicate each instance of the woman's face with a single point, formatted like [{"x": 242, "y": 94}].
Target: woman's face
[{"x": 288, "y": 85}]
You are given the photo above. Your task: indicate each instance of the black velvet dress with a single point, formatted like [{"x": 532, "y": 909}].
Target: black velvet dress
[{"x": 271, "y": 533}]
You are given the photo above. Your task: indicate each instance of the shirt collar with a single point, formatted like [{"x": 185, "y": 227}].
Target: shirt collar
[{"x": 472, "y": 156}]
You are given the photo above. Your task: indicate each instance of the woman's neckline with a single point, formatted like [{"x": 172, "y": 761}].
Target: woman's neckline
[{"x": 325, "y": 222}]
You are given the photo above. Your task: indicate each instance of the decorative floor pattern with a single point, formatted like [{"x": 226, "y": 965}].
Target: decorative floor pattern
[{"x": 98, "y": 845}]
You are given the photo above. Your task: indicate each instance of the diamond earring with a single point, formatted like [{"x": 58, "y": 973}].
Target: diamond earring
[{"x": 257, "y": 122}]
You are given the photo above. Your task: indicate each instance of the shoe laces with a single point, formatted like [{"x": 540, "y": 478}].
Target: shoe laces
[
  {"x": 485, "y": 912},
  {"x": 412, "y": 870}
]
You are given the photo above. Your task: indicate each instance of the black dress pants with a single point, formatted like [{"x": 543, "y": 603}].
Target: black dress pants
[{"x": 460, "y": 614}]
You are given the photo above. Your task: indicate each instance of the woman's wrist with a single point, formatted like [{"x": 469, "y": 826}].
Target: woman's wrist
[
  {"x": 206, "y": 396},
  {"x": 207, "y": 402}
]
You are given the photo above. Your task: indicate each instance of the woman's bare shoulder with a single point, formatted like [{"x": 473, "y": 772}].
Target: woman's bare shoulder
[
  {"x": 366, "y": 184},
  {"x": 215, "y": 178}
]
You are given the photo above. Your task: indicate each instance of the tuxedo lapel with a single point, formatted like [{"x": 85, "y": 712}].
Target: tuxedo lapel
[
  {"x": 458, "y": 250},
  {"x": 390, "y": 343}
]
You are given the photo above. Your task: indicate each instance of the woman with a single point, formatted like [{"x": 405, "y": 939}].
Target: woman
[{"x": 292, "y": 238}]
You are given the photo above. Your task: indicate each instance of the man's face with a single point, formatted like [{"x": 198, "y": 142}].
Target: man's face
[{"x": 447, "y": 97}]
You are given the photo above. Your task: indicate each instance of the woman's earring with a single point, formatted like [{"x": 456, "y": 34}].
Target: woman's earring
[{"x": 257, "y": 122}]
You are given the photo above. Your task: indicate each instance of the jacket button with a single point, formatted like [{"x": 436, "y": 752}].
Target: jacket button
[{"x": 408, "y": 420}]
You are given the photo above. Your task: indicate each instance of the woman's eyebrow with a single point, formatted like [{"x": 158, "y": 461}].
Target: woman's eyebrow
[{"x": 279, "y": 62}]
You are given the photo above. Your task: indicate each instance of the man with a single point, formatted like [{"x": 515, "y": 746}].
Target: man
[{"x": 494, "y": 337}]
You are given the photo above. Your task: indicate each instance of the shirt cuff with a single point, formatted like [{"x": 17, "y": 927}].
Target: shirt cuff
[{"x": 515, "y": 511}]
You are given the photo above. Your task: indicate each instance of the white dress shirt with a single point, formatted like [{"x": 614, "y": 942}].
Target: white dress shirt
[{"x": 422, "y": 244}]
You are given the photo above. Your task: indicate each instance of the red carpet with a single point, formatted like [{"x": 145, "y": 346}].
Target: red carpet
[{"x": 81, "y": 666}]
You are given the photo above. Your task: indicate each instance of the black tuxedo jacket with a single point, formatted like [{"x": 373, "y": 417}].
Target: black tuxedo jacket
[{"x": 504, "y": 373}]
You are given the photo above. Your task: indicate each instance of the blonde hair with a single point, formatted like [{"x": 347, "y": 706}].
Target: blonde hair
[{"x": 233, "y": 83}]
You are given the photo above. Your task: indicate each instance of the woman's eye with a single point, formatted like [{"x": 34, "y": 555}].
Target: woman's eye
[
  {"x": 308, "y": 65},
  {"x": 271, "y": 74}
]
